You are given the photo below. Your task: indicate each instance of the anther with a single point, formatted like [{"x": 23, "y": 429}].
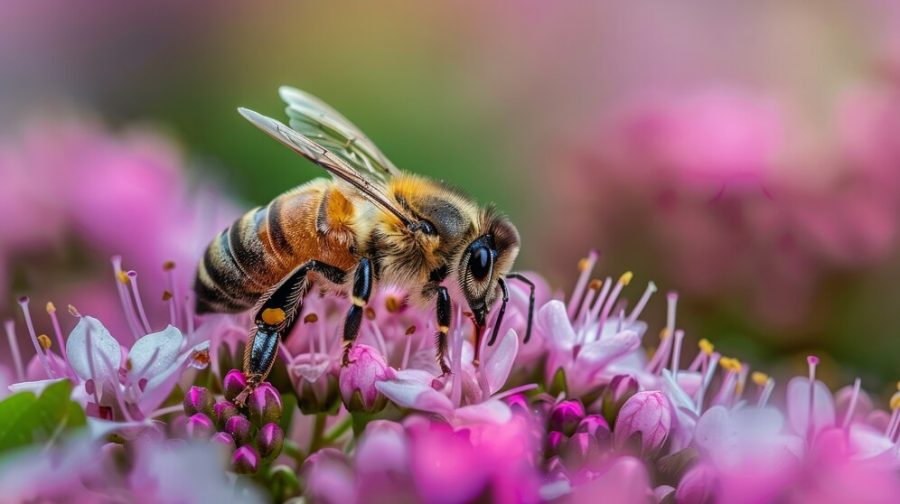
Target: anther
[
  {"x": 393, "y": 304},
  {"x": 73, "y": 311},
  {"x": 410, "y": 330},
  {"x": 310, "y": 318},
  {"x": 166, "y": 296},
  {"x": 168, "y": 265},
  {"x": 370, "y": 313},
  {"x": 759, "y": 378},
  {"x": 706, "y": 347},
  {"x": 51, "y": 308},
  {"x": 44, "y": 340}
]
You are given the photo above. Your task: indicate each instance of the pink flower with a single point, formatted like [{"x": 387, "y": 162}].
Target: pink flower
[{"x": 358, "y": 380}]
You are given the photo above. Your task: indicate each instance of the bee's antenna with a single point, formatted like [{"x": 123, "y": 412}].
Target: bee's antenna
[
  {"x": 502, "y": 312},
  {"x": 530, "y": 284}
]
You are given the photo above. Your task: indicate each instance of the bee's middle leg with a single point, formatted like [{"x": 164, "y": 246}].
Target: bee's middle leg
[{"x": 362, "y": 289}]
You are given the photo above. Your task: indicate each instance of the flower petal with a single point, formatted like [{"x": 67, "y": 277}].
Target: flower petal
[
  {"x": 554, "y": 324},
  {"x": 499, "y": 363},
  {"x": 598, "y": 354},
  {"x": 154, "y": 353},
  {"x": 798, "y": 405},
  {"x": 490, "y": 411},
  {"x": 415, "y": 395},
  {"x": 102, "y": 348}
]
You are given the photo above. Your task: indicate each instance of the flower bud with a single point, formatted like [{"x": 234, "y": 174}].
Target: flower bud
[
  {"x": 223, "y": 411},
  {"x": 199, "y": 426},
  {"x": 198, "y": 400},
  {"x": 318, "y": 395},
  {"x": 553, "y": 442},
  {"x": 580, "y": 448},
  {"x": 596, "y": 426},
  {"x": 239, "y": 428},
  {"x": 245, "y": 460},
  {"x": 646, "y": 416},
  {"x": 224, "y": 439},
  {"x": 234, "y": 383},
  {"x": 698, "y": 486},
  {"x": 269, "y": 440},
  {"x": 264, "y": 405},
  {"x": 619, "y": 390},
  {"x": 565, "y": 416},
  {"x": 357, "y": 380}
]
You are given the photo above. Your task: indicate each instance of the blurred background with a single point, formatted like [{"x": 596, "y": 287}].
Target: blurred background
[{"x": 745, "y": 154}]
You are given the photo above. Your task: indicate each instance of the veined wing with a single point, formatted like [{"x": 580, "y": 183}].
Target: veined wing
[
  {"x": 324, "y": 125},
  {"x": 336, "y": 165}
]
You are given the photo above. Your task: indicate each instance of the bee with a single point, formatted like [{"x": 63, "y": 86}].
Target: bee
[{"x": 369, "y": 224}]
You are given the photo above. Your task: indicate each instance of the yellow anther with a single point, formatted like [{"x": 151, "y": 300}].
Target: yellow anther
[
  {"x": 44, "y": 340},
  {"x": 595, "y": 284},
  {"x": 626, "y": 277},
  {"x": 706, "y": 347},
  {"x": 273, "y": 316},
  {"x": 730, "y": 364},
  {"x": 370, "y": 313},
  {"x": 123, "y": 277},
  {"x": 167, "y": 295},
  {"x": 393, "y": 304},
  {"x": 310, "y": 318},
  {"x": 583, "y": 264},
  {"x": 169, "y": 265},
  {"x": 410, "y": 330},
  {"x": 664, "y": 333},
  {"x": 895, "y": 401},
  {"x": 759, "y": 378},
  {"x": 51, "y": 308}
]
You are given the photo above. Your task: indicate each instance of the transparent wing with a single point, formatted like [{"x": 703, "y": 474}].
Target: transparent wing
[
  {"x": 334, "y": 164},
  {"x": 324, "y": 125}
]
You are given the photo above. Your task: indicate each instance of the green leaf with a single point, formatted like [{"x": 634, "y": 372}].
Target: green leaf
[{"x": 26, "y": 419}]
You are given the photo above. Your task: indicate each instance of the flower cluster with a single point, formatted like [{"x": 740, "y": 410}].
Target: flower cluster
[{"x": 582, "y": 412}]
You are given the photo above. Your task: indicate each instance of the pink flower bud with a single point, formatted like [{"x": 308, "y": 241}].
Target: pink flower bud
[
  {"x": 565, "y": 416},
  {"x": 223, "y": 411},
  {"x": 239, "y": 428},
  {"x": 264, "y": 405},
  {"x": 233, "y": 383},
  {"x": 698, "y": 486},
  {"x": 316, "y": 384},
  {"x": 518, "y": 402},
  {"x": 553, "y": 442},
  {"x": 357, "y": 380},
  {"x": 245, "y": 460},
  {"x": 199, "y": 426},
  {"x": 619, "y": 390},
  {"x": 580, "y": 448},
  {"x": 269, "y": 440},
  {"x": 647, "y": 416},
  {"x": 198, "y": 400},
  {"x": 596, "y": 426},
  {"x": 224, "y": 439}
]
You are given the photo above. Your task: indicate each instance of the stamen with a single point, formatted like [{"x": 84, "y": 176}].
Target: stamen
[
  {"x": 765, "y": 393},
  {"x": 894, "y": 424},
  {"x": 624, "y": 280},
  {"x": 73, "y": 311},
  {"x": 601, "y": 299},
  {"x": 709, "y": 373},
  {"x": 662, "y": 353},
  {"x": 741, "y": 382},
  {"x": 732, "y": 367},
  {"x": 393, "y": 303},
  {"x": 676, "y": 354},
  {"x": 671, "y": 306},
  {"x": 14, "y": 349},
  {"x": 812, "y": 361},
  {"x": 45, "y": 342},
  {"x": 172, "y": 288},
  {"x": 167, "y": 297},
  {"x": 406, "y": 350},
  {"x": 132, "y": 275},
  {"x": 706, "y": 349},
  {"x": 188, "y": 312},
  {"x": 124, "y": 298},
  {"x": 23, "y": 304},
  {"x": 852, "y": 408},
  {"x": 642, "y": 303},
  {"x": 51, "y": 310},
  {"x": 593, "y": 287},
  {"x": 586, "y": 266}
]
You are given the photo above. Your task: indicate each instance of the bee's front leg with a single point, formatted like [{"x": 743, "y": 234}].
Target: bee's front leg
[
  {"x": 443, "y": 311},
  {"x": 362, "y": 289}
]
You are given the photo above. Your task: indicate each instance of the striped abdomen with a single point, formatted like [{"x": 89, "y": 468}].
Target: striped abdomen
[{"x": 265, "y": 244}]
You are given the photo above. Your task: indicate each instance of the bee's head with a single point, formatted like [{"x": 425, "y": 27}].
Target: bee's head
[{"x": 485, "y": 260}]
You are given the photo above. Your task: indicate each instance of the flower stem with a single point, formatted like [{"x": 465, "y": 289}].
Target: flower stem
[
  {"x": 318, "y": 433},
  {"x": 338, "y": 431}
]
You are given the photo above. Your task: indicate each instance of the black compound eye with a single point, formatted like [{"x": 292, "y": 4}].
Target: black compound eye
[
  {"x": 480, "y": 263},
  {"x": 427, "y": 228}
]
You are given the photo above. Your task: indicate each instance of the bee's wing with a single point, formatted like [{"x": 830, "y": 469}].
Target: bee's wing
[
  {"x": 324, "y": 125},
  {"x": 336, "y": 165}
]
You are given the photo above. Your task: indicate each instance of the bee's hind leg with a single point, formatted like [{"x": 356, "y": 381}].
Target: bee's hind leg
[
  {"x": 274, "y": 318},
  {"x": 362, "y": 289}
]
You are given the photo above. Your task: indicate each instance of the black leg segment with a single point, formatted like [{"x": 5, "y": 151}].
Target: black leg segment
[
  {"x": 530, "y": 284},
  {"x": 444, "y": 310},
  {"x": 362, "y": 289},
  {"x": 505, "y": 292}
]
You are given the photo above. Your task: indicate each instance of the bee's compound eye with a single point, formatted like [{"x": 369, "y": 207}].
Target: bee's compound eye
[
  {"x": 480, "y": 263},
  {"x": 427, "y": 228}
]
